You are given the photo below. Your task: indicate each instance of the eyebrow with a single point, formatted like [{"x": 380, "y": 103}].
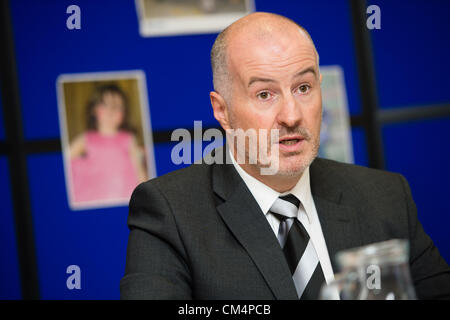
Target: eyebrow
[
  {"x": 305, "y": 71},
  {"x": 301, "y": 73}
]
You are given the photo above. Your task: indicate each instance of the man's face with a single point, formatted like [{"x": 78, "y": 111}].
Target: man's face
[{"x": 276, "y": 85}]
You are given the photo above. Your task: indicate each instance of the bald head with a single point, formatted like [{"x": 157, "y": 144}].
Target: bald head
[{"x": 258, "y": 28}]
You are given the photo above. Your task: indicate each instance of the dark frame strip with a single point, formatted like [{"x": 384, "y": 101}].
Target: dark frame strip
[
  {"x": 17, "y": 158},
  {"x": 413, "y": 113},
  {"x": 384, "y": 116},
  {"x": 367, "y": 83}
]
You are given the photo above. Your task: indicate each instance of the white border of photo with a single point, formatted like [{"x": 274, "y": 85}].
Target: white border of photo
[
  {"x": 170, "y": 26},
  {"x": 139, "y": 75},
  {"x": 336, "y": 118}
]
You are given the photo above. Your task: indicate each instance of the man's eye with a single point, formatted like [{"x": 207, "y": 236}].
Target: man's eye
[
  {"x": 304, "y": 88},
  {"x": 264, "y": 95}
]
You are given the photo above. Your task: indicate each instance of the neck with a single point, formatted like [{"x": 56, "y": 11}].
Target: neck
[
  {"x": 106, "y": 131},
  {"x": 279, "y": 183}
]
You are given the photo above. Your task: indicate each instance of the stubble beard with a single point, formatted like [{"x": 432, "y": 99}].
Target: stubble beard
[
  {"x": 306, "y": 158},
  {"x": 289, "y": 169}
]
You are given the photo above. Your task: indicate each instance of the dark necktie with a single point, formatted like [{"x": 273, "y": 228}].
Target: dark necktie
[{"x": 298, "y": 248}]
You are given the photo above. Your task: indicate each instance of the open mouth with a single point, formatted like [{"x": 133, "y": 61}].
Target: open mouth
[{"x": 289, "y": 142}]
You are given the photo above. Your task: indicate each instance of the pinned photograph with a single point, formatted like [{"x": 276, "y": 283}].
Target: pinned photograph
[
  {"x": 105, "y": 135},
  {"x": 335, "y": 134},
  {"x": 176, "y": 17}
]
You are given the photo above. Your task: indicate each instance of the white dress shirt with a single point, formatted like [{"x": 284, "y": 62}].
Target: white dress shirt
[{"x": 266, "y": 196}]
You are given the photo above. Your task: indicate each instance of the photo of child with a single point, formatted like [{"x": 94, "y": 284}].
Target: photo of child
[{"x": 104, "y": 154}]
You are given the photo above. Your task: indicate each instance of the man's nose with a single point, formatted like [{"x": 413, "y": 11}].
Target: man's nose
[{"x": 289, "y": 114}]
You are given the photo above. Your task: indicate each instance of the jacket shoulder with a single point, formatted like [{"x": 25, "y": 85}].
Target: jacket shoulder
[
  {"x": 185, "y": 181},
  {"x": 330, "y": 178},
  {"x": 348, "y": 171}
]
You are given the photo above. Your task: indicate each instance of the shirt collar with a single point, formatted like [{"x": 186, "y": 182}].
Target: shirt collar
[
  {"x": 266, "y": 196},
  {"x": 302, "y": 190}
]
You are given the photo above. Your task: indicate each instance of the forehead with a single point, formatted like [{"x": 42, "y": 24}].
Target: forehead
[
  {"x": 112, "y": 96},
  {"x": 270, "y": 53}
]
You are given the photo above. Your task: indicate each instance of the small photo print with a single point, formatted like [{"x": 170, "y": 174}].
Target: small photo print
[
  {"x": 335, "y": 134},
  {"x": 105, "y": 136},
  {"x": 177, "y": 17}
]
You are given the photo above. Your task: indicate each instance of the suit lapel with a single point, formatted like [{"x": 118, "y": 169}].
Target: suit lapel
[
  {"x": 244, "y": 218},
  {"x": 241, "y": 213},
  {"x": 339, "y": 221},
  {"x": 339, "y": 226}
]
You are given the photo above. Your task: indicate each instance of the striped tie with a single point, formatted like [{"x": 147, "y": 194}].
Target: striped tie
[{"x": 298, "y": 248}]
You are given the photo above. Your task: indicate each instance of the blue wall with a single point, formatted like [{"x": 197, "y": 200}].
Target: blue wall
[
  {"x": 411, "y": 57},
  {"x": 418, "y": 151},
  {"x": 412, "y": 53},
  {"x": 412, "y": 62}
]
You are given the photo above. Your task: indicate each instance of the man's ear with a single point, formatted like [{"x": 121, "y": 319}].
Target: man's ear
[
  {"x": 220, "y": 109},
  {"x": 320, "y": 78}
]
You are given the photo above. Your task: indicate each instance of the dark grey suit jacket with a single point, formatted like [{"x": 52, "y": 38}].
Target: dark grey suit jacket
[{"x": 199, "y": 233}]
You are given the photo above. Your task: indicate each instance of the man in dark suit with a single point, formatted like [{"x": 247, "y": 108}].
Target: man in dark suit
[{"x": 230, "y": 231}]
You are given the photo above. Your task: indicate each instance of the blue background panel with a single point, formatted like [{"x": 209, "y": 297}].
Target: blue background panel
[
  {"x": 163, "y": 160},
  {"x": 419, "y": 151},
  {"x": 177, "y": 68},
  {"x": 195, "y": 149},
  {"x": 163, "y": 157},
  {"x": 411, "y": 52},
  {"x": 412, "y": 66},
  {"x": 9, "y": 264},
  {"x": 95, "y": 240}
]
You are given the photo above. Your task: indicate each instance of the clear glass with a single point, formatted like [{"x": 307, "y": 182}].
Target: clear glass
[{"x": 378, "y": 271}]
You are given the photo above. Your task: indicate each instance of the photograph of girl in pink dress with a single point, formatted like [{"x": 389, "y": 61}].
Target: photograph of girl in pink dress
[{"x": 106, "y": 161}]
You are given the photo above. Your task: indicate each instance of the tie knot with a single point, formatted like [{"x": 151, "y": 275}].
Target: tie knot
[
  {"x": 286, "y": 206},
  {"x": 292, "y": 199}
]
